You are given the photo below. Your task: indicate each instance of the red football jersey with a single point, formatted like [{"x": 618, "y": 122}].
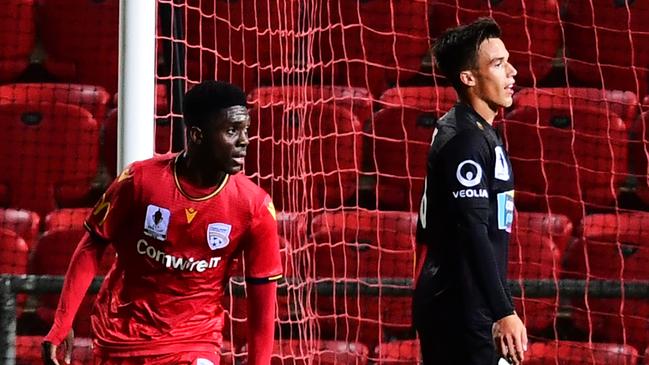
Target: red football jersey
[{"x": 175, "y": 244}]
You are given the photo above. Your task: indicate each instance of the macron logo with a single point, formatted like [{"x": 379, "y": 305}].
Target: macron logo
[{"x": 178, "y": 263}]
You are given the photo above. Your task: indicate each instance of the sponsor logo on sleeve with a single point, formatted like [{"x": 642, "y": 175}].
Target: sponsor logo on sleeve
[
  {"x": 156, "y": 222},
  {"x": 469, "y": 174},
  {"x": 502, "y": 167},
  {"x": 218, "y": 235},
  {"x": 505, "y": 210}
]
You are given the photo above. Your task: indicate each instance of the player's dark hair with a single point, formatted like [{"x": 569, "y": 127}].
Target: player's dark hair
[
  {"x": 207, "y": 99},
  {"x": 456, "y": 50}
]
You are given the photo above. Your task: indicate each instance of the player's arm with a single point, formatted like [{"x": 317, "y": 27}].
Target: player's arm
[
  {"x": 263, "y": 269},
  {"x": 467, "y": 160},
  {"x": 465, "y": 169},
  {"x": 82, "y": 269},
  {"x": 101, "y": 224}
]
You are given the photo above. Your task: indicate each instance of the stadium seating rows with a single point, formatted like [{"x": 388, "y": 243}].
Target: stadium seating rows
[
  {"x": 605, "y": 119},
  {"x": 254, "y": 43}
]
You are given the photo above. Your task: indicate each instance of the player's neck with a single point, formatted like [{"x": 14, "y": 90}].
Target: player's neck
[
  {"x": 481, "y": 107},
  {"x": 198, "y": 171}
]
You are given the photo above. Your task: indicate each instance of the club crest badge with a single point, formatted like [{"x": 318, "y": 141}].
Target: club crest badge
[
  {"x": 156, "y": 222},
  {"x": 218, "y": 235}
]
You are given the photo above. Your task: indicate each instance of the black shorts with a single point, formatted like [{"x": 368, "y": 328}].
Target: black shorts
[{"x": 446, "y": 337}]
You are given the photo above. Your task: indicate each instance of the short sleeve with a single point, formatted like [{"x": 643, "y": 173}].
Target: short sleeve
[
  {"x": 111, "y": 211},
  {"x": 261, "y": 251}
]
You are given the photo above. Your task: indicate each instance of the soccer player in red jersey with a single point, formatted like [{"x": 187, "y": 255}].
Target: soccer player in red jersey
[{"x": 177, "y": 222}]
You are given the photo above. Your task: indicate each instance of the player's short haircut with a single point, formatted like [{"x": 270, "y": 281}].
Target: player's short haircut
[
  {"x": 205, "y": 100},
  {"x": 456, "y": 50}
]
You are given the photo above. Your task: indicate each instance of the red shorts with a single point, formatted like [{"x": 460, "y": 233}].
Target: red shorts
[{"x": 183, "y": 358}]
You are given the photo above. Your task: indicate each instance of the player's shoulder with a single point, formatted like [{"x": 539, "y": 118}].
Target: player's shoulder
[{"x": 244, "y": 188}]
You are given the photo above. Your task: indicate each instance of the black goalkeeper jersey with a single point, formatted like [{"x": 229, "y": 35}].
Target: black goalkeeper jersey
[{"x": 465, "y": 217}]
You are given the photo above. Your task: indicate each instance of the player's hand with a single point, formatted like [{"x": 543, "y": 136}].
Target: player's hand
[
  {"x": 48, "y": 351},
  {"x": 510, "y": 338}
]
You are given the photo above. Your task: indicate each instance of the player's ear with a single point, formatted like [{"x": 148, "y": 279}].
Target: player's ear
[
  {"x": 195, "y": 135},
  {"x": 467, "y": 78}
]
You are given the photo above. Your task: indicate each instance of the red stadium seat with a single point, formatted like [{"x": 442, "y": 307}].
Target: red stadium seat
[
  {"x": 14, "y": 253},
  {"x": 534, "y": 255},
  {"x": 371, "y": 43},
  {"x": 312, "y": 149},
  {"x": 51, "y": 256},
  {"x": 566, "y": 159},
  {"x": 242, "y": 42},
  {"x": 80, "y": 39},
  {"x": 606, "y": 44},
  {"x": 353, "y": 245},
  {"x": 92, "y": 98},
  {"x": 405, "y": 352},
  {"x": 299, "y": 352},
  {"x": 424, "y": 98},
  {"x": 355, "y": 99},
  {"x": 555, "y": 226},
  {"x": 69, "y": 218},
  {"x": 623, "y": 103},
  {"x": 17, "y": 37},
  {"x": 580, "y": 353},
  {"x": 399, "y": 143},
  {"x": 54, "y": 149},
  {"x": 532, "y": 39},
  {"x": 22, "y": 222},
  {"x": 614, "y": 247}
]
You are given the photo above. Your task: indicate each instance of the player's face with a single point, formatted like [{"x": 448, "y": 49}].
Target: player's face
[
  {"x": 494, "y": 74},
  {"x": 228, "y": 139}
]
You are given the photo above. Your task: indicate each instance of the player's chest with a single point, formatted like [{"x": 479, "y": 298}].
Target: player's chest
[{"x": 198, "y": 228}]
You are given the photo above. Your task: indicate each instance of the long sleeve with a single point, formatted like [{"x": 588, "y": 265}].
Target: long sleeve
[
  {"x": 466, "y": 170},
  {"x": 261, "y": 322},
  {"x": 82, "y": 269}
]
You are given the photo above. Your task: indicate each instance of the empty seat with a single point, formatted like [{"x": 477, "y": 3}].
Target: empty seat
[
  {"x": 567, "y": 160},
  {"x": 51, "y": 256},
  {"x": 17, "y": 37},
  {"x": 355, "y": 99},
  {"x": 371, "y": 44},
  {"x": 424, "y": 98},
  {"x": 398, "y": 144},
  {"x": 22, "y": 222},
  {"x": 312, "y": 149},
  {"x": 531, "y": 30},
  {"x": 54, "y": 155},
  {"x": 533, "y": 255},
  {"x": 580, "y": 353},
  {"x": 624, "y": 104},
  {"x": 605, "y": 44},
  {"x": 80, "y": 39},
  {"x": 14, "y": 253},
  {"x": 90, "y": 97},
  {"x": 356, "y": 246},
  {"x": 613, "y": 247},
  {"x": 404, "y": 352},
  {"x": 242, "y": 42},
  {"x": 68, "y": 218}
]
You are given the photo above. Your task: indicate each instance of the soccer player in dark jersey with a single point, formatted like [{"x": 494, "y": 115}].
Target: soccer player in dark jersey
[
  {"x": 177, "y": 221},
  {"x": 462, "y": 307}
]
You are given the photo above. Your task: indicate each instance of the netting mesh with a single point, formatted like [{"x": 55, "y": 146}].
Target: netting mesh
[{"x": 344, "y": 100}]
